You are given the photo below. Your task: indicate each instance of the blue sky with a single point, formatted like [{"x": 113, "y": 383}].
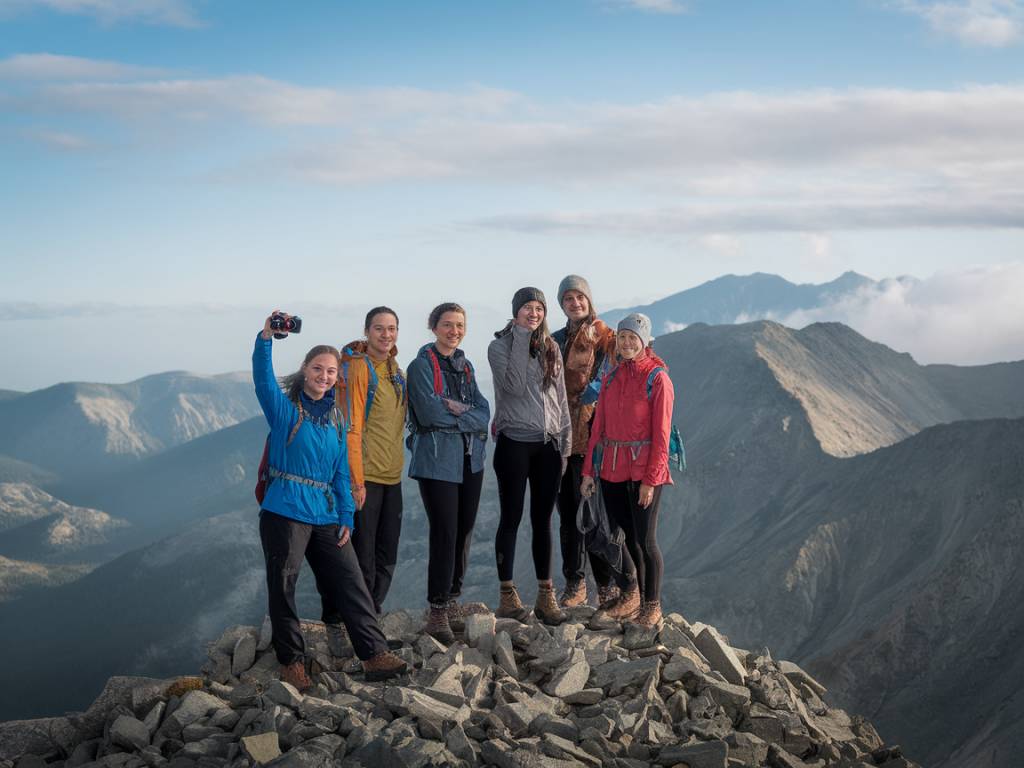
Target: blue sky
[{"x": 166, "y": 159}]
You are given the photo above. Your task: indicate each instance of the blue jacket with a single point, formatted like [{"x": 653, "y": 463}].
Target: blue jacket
[
  {"x": 439, "y": 438},
  {"x": 316, "y": 453}
]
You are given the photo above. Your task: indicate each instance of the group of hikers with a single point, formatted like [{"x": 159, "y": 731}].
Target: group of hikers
[{"x": 582, "y": 404}]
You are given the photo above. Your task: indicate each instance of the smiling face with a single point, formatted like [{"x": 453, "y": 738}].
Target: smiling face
[
  {"x": 530, "y": 315},
  {"x": 321, "y": 373},
  {"x": 449, "y": 332},
  {"x": 381, "y": 335},
  {"x": 575, "y": 305},
  {"x": 628, "y": 345}
]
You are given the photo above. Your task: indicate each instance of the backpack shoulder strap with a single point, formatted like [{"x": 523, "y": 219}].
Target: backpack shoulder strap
[
  {"x": 372, "y": 380},
  {"x": 652, "y": 376},
  {"x": 436, "y": 365}
]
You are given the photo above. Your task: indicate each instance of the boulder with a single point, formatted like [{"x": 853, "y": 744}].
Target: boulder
[
  {"x": 720, "y": 656},
  {"x": 705, "y": 754},
  {"x": 244, "y": 654},
  {"x": 129, "y": 733}
]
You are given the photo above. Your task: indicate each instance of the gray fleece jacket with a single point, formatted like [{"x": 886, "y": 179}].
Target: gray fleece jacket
[{"x": 523, "y": 410}]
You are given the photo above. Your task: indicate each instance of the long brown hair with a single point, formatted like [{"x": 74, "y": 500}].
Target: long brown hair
[
  {"x": 541, "y": 344},
  {"x": 293, "y": 382}
]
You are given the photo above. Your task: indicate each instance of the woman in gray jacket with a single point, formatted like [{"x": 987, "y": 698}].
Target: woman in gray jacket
[{"x": 534, "y": 440}]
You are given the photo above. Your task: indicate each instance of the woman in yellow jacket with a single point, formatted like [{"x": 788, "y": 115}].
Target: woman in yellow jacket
[{"x": 376, "y": 401}]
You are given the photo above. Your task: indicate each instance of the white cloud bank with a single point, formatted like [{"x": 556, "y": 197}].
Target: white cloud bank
[
  {"x": 989, "y": 23},
  {"x": 968, "y": 317},
  {"x": 174, "y": 13}
]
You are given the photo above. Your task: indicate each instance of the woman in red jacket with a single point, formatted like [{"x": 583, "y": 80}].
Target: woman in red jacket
[{"x": 631, "y": 431}]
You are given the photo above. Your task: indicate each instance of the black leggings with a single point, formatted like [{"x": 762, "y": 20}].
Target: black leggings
[
  {"x": 375, "y": 537},
  {"x": 515, "y": 463},
  {"x": 641, "y": 528},
  {"x": 338, "y": 580},
  {"x": 451, "y": 510},
  {"x": 574, "y": 552}
]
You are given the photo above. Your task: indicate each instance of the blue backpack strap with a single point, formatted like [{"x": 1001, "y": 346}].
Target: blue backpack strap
[
  {"x": 651, "y": 376},
  {"x": 371, "y": 386}
]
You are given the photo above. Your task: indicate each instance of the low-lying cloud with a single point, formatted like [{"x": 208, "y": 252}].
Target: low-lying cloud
[
  {"x": 968, "y": 317},
  {"x": 989, "y": 23}
]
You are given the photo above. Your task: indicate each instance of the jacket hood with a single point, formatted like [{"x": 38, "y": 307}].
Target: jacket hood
[{"x": 457, "y": 357}]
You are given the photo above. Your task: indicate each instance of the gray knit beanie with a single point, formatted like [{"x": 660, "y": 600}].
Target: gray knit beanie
[
  {"x": 574, "y": 283},
  {"x": 524, "y": 295},
  {"x": 639, "y": 324}
]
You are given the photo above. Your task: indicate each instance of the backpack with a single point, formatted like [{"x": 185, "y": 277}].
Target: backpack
[
  {"x": 371, "y": 384},
  {"x": 676, "y": 449},
  {"x": 263, "y": 478}
]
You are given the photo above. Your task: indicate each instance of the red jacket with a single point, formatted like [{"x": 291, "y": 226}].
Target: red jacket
[{"x": 626, "y": 415}]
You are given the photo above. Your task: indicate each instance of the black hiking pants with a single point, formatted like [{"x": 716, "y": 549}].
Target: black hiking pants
[
  {"x": 378, "y": 526},
  {"x": 338, "y": 580},
  {"x": 640, "y": 525},
  {"x": 451, "y": 512},
  {"x": 574, "y": 553},
  {"x": 516, "y": 464}
]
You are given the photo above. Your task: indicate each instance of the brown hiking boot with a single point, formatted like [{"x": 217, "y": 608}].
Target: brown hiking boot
[
  {"x": 457, "y": 613},
  {"x": 295, "y": 675},
  {"x": 625, "y": 607},
  {"x": 510, "y": 606},
  {"x": 382, "y": 666},
  {"x": 606, "y": 594},
  {"x": 546, "y": 609},
  {"x": 437, "y": 625},
  {"x": 574, "y": 594},
  {"x": 650, "y": 615}
]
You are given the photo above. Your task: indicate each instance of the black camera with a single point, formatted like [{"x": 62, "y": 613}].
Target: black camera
[{"x": 291, "y": 324}]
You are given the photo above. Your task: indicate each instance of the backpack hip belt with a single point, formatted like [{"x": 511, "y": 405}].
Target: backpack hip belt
[
  {"x": 634, "y": 446},
  {"x": 318, "y": 484}
]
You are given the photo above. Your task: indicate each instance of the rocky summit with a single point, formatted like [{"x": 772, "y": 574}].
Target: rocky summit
[{"x": 505, "y": 694}]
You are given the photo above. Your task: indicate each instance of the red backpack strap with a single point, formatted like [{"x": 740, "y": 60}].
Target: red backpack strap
[
  {"x": 468, "y": 370},
  {"x": 436, "y": 365}
]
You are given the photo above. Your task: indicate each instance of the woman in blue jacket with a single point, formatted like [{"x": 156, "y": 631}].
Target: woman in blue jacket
[
  {"x": 448, "y": 417},
  {"x": 307, "y": 511}
]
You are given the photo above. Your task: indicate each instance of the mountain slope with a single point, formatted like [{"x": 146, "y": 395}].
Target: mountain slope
[
  {"x": 740, "y": 298},
  {"x": 79, "y": 429}
]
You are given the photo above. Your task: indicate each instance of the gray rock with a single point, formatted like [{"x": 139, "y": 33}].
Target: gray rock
[
  {"x": 243, "y": 655},
  {"x": 678, "y": 706},
  {"x": 556, "y": 746},
  {"x": 706, "y": 754},
  {"x": 479, "y": 687},
  {"x": 586, "y": 696},
  {"x": 261, "y": 748},
  {"x": 639, "y": 637},
  {"x": 616, "y": 676},
  {"x": 570, "y": 678},
  {"x": 193, "y": 706},
  {"x": 720, "y": 656},
  {"x": 504, "y": 655},
  {"x": 315, "y": 753},
  {"x": 116, "y": 692},
  {"x": 427, "y": 646},
  {"x": 403, "y": 701},
  {"x": 478, "y": 626},
  {"x": 198, "y": 732},
  {"x": 796, "y": 675},
  {"x": 460, "y": 745},
  {"x": 84, "y": 752},
  {"x": 734, "y": 699},
  {"x": 284, "y": 694},
  {"x": 129, "y": 733},
  {"x": 747, "y": 747}
]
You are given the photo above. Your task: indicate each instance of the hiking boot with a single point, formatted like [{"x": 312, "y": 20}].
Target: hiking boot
[
  {"x": 337, "y": 640},
  {"x": 650, "y": 615},
  {"x": 510, "y": 606},
  {"x": 574, "y": 594},
  {"x": 606, "y": 594},
  {"x": 546, "y": 609},
  {"x": 295, "y": 675},
  {"x": 457, "y": 613},
  {"x": 625, "y": 607},
  {"x": 382, "y": 666},
  {"x": 437, "y": 625}
]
